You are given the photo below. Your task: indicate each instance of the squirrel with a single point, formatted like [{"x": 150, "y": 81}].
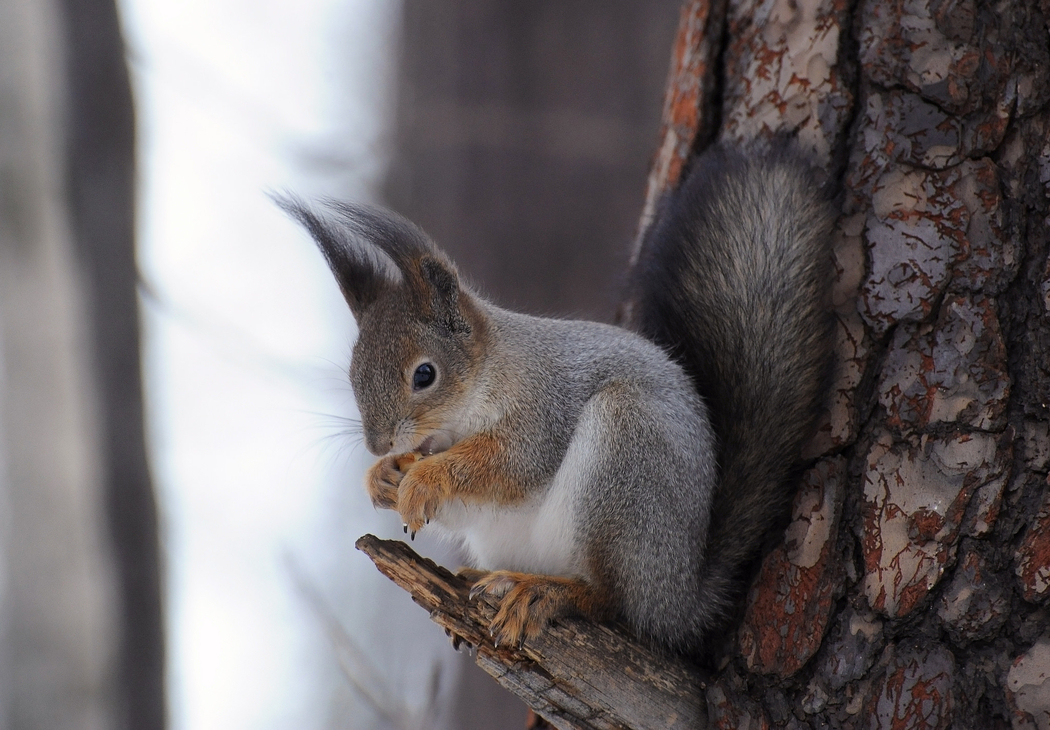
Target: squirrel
[{"x": 589, "y": 469}]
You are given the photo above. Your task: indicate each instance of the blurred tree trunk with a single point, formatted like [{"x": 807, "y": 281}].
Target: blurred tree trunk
[
  {"x": 524, "y": 132},
  {"x": 911, "y": 588},
  {"x": 82, "y": 636}
]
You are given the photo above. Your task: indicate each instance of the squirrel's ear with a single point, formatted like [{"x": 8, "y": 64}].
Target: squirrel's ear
[
  {"x": 428, "y": 277},
  {"x": 442, "y": 293},
  {"x": 370, "y": 249},
  {"x": 360, "y": 268}
]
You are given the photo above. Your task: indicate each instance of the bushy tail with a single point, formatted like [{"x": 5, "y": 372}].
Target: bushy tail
[{"x": 733, "y": 280}]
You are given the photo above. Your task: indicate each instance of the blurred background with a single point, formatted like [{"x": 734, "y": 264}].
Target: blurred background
[{"x": 179, "y": 479}]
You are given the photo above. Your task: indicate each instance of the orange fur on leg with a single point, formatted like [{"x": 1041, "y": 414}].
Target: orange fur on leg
[
  {"x": 475, "y": 469},
  {"x": 527, "y": 603}
]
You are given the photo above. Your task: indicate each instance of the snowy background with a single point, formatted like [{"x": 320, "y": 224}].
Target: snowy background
[{"x": 271, "y": 612}]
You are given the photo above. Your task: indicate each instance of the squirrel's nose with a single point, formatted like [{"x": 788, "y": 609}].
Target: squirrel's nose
[{"x": 378, "y": 445}]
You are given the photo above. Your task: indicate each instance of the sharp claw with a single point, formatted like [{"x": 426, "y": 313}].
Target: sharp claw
[
  {"x": 475, "y": 592},
  {"x": 404, "y": 526},
  {"x": 413, "y": 536}
]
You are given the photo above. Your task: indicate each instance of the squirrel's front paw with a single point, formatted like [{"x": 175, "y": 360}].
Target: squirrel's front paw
[
  {"x": 383, "y": 479},
  {"x": 419, "y": 496}
]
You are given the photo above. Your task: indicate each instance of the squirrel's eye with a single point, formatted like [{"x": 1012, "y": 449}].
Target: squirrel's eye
[{"x": 424, "y": 376}]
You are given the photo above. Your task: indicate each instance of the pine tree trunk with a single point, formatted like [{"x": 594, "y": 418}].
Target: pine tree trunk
[{"x": 911, "y": 587}]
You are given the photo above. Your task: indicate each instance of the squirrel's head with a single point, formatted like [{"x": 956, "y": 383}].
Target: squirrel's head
[{"x": 420, "y": 333}]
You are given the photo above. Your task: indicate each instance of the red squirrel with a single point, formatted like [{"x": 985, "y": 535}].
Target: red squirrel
[{"x": 588, "y": 469}]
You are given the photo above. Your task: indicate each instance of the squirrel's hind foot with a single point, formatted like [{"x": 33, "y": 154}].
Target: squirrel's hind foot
[
  {"x": 528, "y": 603},
  {"x": 471, "y": 575}
]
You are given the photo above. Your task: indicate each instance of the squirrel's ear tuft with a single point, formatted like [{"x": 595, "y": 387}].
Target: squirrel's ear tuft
[
  {"x": 401, "y": 240},
  {"x": 351, "y": 244},
  {"x": 428, "y": 278},
  {"x": 370, "y": 250},
  {"x": 442, "y": 292}
]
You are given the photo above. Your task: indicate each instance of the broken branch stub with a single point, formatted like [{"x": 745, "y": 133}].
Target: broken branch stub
[{"x": 577, "y": 674}]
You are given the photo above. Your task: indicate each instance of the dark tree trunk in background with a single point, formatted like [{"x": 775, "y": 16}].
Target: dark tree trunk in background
[
  {"x": 524, "y": 134},
  {"x": 82, "y": 643},
  {"x": 101, "y": 194}
]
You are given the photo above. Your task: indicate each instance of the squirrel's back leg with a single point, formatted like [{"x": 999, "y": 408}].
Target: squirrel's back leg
[
  {"x": 471, "y": 575},
  {"x": 636, "y": 472},
  {"x": 646, "y": 511},
  {"x": 528, "y": 603}
]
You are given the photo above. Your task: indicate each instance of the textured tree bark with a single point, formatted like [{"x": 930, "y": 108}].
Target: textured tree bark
[{"x": 911, "y": 588}]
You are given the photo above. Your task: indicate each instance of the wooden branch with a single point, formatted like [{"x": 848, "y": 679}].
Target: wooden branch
[{"x": 577, "y": 674}]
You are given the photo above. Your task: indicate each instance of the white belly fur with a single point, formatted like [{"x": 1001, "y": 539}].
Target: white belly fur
[{"x": 539, "y": 536}]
